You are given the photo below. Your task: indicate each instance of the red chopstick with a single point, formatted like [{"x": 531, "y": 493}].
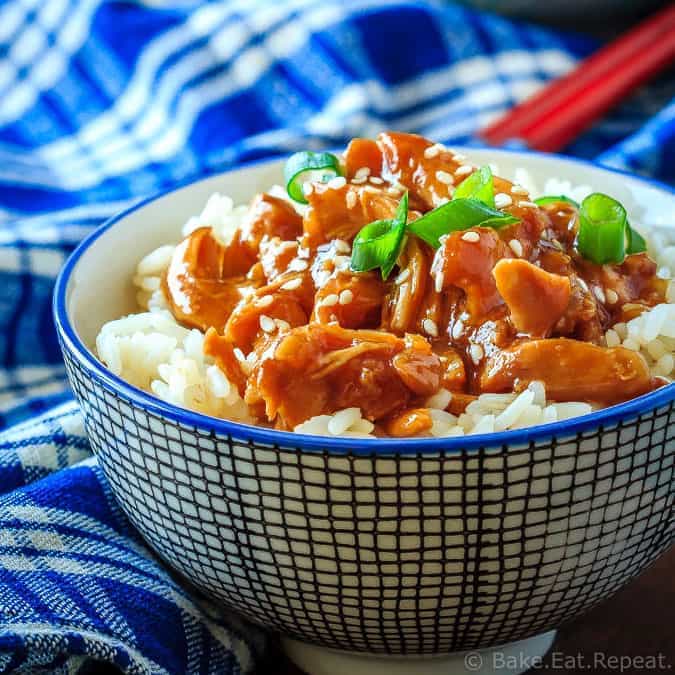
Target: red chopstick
[{"x": 559, "y": 112}]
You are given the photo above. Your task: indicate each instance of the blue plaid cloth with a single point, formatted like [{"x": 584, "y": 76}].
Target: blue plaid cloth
[{"x": 104, "y": 102}]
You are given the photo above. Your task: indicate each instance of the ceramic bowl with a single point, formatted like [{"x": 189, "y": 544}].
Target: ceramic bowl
[{"x": 367, "y": 554}]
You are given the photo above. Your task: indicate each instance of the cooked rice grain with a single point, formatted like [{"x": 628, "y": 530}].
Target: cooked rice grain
[
  {"x": 153, "y": 352},
  {"x": 653, "y": 335}
]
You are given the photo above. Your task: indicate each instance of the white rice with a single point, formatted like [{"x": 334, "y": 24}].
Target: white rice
[
  {"x": 348, "y": 423},
  {"x": 653, "y": 335},
  {"x": 153, "y": 352},
  {"x": 148, "y": 278},
  {"x": 553, "y": 186},
  {"x": 487, "y": 414},
  {"x": 221, "y": 215}
]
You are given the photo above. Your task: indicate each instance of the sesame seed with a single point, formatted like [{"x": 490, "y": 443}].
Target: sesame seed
[
  {"x": 599, "y": 294},
  {"x": 291, "y": 285},
  {"x": 557, "y": 244},
  {"x": 445, "y": 177},
  {"x": 477, "y": 353},
  {"x": 527, "y": 205},
  {"x": 612, "y": 296},
  {"x": 376, "y": 180},
  {"x": 282, "y": 325},
  {"x": 430, "y": 327},
  {"x": 471, "y": 237},
  {"x": 403, "y": 276},
  {"x": 346, "y": 297},
  {"x": 519, "y": 190},
  {"x": 307, "y": 189},
  {"x": 341, "y": 246},
  {"x": 502, "y": 200},
  {"x": 359, "y": 181},
  {"x": 439, "y": 201},
  {"x": 336, "y": 183},
  {"x": 438, "y": 281},
  {"x": 583, "y": 284},
  {"x": 298, "y": 265},
  {"x": 267, "y": 323},
  {"x": 330, "y": 300},
  {"x": 265, "y": 301},
  {"x": 362, "y": 173},
  {"x": 341, "y": 262},
  {"x": 458, "y": 157},
  {"x": 350, "y": 199},
  {"x": 239, "y": 355},
  {"x": 432, "y": 151},
  {"x": 457, "y": 329},
  {"x": 516, "y": 247},
  {"x": 463, "y": 170},
  {"x": 393, "y": 190}
]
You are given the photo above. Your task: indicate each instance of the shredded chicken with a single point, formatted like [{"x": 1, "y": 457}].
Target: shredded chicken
[
  {"x": 572, "y": 370},
  {"x": 536, "y": 299},
  {"x": 317, "y": 369},
  {"x": 300, "y": 334}
]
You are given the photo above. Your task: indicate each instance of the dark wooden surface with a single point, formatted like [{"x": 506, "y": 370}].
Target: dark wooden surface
[{"x": 637, "y": 622}]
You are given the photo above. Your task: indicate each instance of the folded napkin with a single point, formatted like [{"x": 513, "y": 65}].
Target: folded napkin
[{"x": 105, "y": 102}]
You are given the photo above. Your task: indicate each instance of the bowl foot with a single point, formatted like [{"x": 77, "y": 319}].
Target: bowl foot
[{"x": 511, "y": 659}]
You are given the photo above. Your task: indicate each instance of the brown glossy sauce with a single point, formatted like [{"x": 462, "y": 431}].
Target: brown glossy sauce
[
  {"x": 205, "y": 281},
  {"x": 487, "y": 312}
]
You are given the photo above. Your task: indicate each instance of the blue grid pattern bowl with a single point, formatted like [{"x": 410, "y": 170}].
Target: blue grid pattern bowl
[{"x": 389, "y": 547}]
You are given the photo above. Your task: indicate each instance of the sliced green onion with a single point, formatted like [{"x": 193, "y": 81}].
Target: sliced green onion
[
  {"x": 479, "y": 185},
  {"x": 455, "y": 215},
  {"x": 602, "y": 229},
  {"x": 635, "y": 242},
  {"x": 325, "y": 164},
  {"x": 554, "y": 199},
  {"x": 378, "y": 244}
]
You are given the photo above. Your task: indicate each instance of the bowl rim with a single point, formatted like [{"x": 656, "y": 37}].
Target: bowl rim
[{"x": 335, "y": 445}]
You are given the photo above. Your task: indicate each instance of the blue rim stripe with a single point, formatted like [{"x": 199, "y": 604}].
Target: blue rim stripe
[{"x": 566, "y": 428}]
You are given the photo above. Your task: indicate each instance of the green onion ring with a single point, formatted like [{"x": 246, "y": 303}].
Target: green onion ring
[
  {"x": 303, "y": 162},
  {"x": 554, "y": 199},
  {"x": 602, "y": 229}
]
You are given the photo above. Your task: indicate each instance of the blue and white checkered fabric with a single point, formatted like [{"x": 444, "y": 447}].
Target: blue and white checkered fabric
[{"x": 104, "y": 102}]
